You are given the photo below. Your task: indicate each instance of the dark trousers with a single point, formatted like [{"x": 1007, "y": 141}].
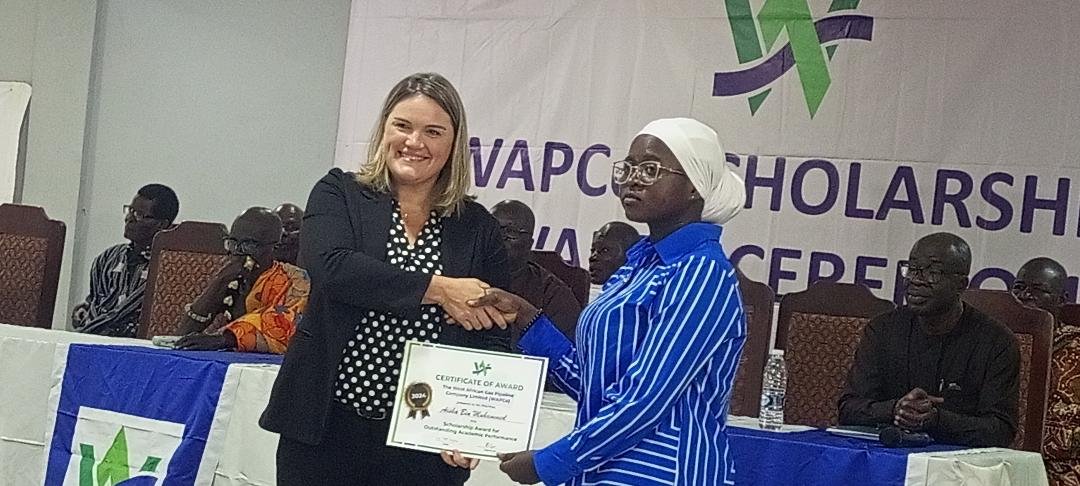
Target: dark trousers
[{"x": 353, "y": 452}]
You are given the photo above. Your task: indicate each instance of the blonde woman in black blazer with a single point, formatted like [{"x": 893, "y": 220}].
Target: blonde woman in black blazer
[{"x": 391, "y": 250}]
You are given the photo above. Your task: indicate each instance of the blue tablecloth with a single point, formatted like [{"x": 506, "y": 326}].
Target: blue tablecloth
[
  {"x": 226, "y": 357},
  {"x": 816, "y": 457},
  {"x": 137, "y": 415}
]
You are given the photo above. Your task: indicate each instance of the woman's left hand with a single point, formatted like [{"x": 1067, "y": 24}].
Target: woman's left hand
[
  {"x": 520, "y": 467},
  {"x": 455, "y": 459}
]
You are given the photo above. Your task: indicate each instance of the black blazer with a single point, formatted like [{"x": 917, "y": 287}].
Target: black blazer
[{"x": 343, "y": 245}]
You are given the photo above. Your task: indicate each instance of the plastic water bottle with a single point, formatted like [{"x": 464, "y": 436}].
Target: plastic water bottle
[{"x": 771, "y": 415}]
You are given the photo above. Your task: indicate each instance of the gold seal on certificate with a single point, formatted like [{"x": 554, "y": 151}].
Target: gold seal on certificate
[
  {"x": 418, "y": 398},
  {"x": 478, "y": 402}
]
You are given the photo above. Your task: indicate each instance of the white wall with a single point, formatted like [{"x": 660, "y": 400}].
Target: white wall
[
  {"x": 232, "y": 104},
  {"x": 17, "y": 25},
  {"x": 48, "y": 43}
]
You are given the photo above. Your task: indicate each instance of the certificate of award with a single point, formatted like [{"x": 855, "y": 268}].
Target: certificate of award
[{"x": 478, "y": 402}]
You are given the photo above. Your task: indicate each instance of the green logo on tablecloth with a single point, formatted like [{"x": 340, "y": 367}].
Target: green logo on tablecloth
[
  {"x": 114, "y": 465},
  {"x": 109, "y": 448}
]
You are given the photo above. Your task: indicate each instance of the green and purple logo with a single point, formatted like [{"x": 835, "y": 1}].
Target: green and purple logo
[
  {"x": 114, "y": 467},
  {"x": 811, "y": 45}
]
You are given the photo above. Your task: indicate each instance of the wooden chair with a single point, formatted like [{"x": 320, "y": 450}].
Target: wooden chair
[
  {"x": 819, "y": 329},
  {"x": 757, "y": 300},
  {"x": 1034, "y": 329},
  {"x": 182, "y": 262},
  {"x": 31, "y": 250},
  {"x": 576, "y": 278}
]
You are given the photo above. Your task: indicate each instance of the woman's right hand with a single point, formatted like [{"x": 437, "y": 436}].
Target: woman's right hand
[
  {"x": 443, "y": 290},
  {"x": 453, "y": 294}
]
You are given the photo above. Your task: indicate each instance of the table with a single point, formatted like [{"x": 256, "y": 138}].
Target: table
[
  {"x": 806, "y": 456},
  {"x": 26, "y": 380},
  {"x": 131, "y": 412},
  {"x": 26, "y": 358},
  {"x": 801, "y": 456},
  {"x": 818, "y": 457}
]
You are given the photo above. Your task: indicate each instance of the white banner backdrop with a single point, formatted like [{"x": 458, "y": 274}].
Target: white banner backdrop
[
  {"x": 14, "y": 98},
  {"x": 859, "y": 126}
]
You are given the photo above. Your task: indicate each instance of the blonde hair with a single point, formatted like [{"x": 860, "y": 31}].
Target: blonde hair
[{"x": 453, "y": 183}]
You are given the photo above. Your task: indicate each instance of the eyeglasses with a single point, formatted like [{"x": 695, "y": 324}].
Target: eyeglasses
[
  {"x": 647, "y": 172},
  {"x": 514, "y": 234},
  {"x": 603, "y": 250},
  {"x": 245, "y": 246},
  {"x": 930, "y": 275},
  {"x": 1019, "y": 287},
  {"x": 135, "y": 213}
]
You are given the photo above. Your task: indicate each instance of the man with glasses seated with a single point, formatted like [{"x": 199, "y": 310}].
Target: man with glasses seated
[
  {"x": 1040, "y": 283},
  {"x": 260, "y": 299},
  {"x": 936, "y": 365},
  {"x": 292, "y": 220},
  {"x": 118, "y": 275},
  {"x": 529, "y": 280}
]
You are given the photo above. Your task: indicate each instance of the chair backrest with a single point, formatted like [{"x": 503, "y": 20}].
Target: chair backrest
[
  {"x": 31, "y": 250},
  {"x": 1070, "y": 314},
  {"x": 819, "y": 329},
  {"x": 576, "y": 278},
  {"x": 182, "y": 262},
  {"x": 1034, "y": 330},
  {"x": 757, "y": 300}
]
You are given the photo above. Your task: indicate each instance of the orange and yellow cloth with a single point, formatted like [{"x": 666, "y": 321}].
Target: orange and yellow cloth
[{"x": 274, "y": 306}]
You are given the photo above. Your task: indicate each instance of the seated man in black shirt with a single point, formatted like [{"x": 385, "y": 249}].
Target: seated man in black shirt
[
  {"x": 936, "y": 365},
  {"x": 608, "y": 253},
  {"x": 528, "y": 279}
]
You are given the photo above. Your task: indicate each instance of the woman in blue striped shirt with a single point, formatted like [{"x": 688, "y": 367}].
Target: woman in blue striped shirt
[{"x": 657, "y": 352}]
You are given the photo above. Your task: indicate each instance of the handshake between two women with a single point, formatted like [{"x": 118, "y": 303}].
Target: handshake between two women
[{"x": 475, "y": 305}]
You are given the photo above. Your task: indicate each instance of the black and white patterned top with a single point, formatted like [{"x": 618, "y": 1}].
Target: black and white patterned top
[
  {"x": 368, "y": 371},
  {"x": 117, "y": 285}
]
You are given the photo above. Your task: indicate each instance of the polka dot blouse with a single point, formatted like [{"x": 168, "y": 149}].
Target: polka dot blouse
[{"x": 368, "y": 372}]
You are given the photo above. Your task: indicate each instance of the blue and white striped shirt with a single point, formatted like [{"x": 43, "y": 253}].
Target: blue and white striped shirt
[{"x": 652, "y": 371}]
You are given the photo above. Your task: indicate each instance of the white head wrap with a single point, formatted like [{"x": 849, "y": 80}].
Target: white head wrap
[{"x": 698, "y": 150}]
